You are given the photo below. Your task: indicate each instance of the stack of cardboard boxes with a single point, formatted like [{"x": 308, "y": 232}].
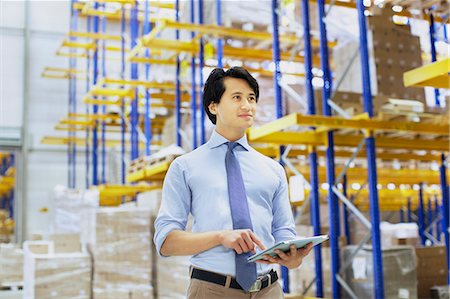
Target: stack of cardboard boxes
[
  {"x": 11, "y": 265},
  {"x": 431, "y": 269},
  {"x": 120, "y": 245},
  {"x": 51, "y": 274},
  {"x": 393, "y": 50},
  {"x": 399, "y": 269},
  {"x": 173, "y": 277}
]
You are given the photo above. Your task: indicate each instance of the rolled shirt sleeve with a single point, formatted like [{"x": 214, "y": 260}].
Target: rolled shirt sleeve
[
  {"x": 175, "y": 205},
  {"x": 283, "y": 226}
]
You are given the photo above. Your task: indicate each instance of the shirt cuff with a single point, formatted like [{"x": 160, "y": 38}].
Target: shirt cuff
[{"x": 161, "y": 236}]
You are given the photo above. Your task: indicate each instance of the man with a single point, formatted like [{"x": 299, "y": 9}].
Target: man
[{"x": 237, "y": 197}]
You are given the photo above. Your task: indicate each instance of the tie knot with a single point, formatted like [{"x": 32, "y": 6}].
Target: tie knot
[{"x": 232, "y": 145}]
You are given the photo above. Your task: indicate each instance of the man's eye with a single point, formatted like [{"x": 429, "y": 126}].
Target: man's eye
[
  {"x": 252, "y": 99},
  {"x": 237, "y": 97}
]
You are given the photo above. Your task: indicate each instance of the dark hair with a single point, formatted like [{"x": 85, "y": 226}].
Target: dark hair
[{"x": 215, "y": 87}]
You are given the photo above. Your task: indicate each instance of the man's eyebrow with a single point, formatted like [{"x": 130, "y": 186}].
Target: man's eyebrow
[{"x": 240, "y": 92}]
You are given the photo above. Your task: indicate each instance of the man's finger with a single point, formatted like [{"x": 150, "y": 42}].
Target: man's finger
[
  {"x": 248, "y": 240},
  {"x": 257, "y": 241},
  {"x": 305, "y": 250},
  {"x": 237, "y": 248},
  {"x": 243, "y": 245},
  {"x": 282, "y": 255},
  {"x": 293, "y": 250}
]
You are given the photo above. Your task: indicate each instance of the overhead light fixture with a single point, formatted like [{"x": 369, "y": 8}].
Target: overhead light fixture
[{"x": 397, "y": 8}]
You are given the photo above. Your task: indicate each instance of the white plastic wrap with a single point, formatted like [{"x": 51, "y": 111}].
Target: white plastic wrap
[
  {"x": 120, "y": 243},
  {"x": 55, "y": 275},
  {"x": 71, "y": 206},
  {"x": 399, "y": 268},
  {"x": 11, "y": 265}
]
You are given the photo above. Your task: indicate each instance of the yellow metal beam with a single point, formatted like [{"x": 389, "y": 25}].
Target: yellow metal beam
[
  {"x": 238, "y": 33},
  {"x": 95, "y": 36},
  {"x": 53, "y": 140},
  {"x": 385, "y": 176},
  {"x": 153, "y": 173},
  {"x": 110, "y": 92},
  {"x": 273, "y": 151},
  {"x": 434, "y": 75},
  {"x": 135, "y": 83},
  {"x": 306, "y": 138},
  {"x": 342, "y": 123},
  {"x": 95, "y": 116},
  {"x": 124, "y": 190},
  {"x": 228, "y": 51}
]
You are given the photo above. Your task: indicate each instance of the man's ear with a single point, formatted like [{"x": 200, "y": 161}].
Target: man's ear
[{"x": 212, "y": 108}]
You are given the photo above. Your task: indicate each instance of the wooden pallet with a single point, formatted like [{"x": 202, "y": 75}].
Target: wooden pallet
[{"x": 143, "y": 162}]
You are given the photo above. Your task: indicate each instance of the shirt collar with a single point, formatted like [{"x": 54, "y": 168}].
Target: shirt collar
[{"x": 217, "y": 140}]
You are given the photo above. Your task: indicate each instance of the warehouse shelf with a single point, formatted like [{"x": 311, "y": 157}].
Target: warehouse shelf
[
  {"x": 62, "y": 73},
  {"x": 435, "y": 75},
  {"x": 273, "y": 151},
  {"x": 397, "y": 177},
  {"x": 194, "y": 47},
  {"x": 57, "y": 140},
  {"x": 152, "y": 173},
  {"x": 415, "y": 139},
  {"x": 334, "y": 122},
  {"x": 406, "y": 5},
  {"x": 112, "y": 195}
]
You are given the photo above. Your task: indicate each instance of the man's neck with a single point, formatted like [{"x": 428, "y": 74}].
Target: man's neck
[{"x": 230, "y": 135}]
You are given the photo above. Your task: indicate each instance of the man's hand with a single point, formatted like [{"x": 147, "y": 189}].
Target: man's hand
[
  {"x": 241, "y": 240},
  {"x": 291, "y": 259}
]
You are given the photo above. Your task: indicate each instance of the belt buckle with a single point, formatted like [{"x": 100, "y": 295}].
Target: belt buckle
[{"x": 256, "y": 286}]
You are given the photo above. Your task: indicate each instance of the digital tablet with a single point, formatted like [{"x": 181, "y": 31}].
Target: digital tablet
[{"x": 284, "y": 246}]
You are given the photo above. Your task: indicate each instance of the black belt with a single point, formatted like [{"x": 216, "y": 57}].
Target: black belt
[{"x": 221, "y": 279}]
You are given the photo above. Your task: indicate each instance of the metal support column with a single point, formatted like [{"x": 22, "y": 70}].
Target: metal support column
[
  {"x": 201, "y": 63},
  {"x": 219, "y": 40},
  {"x": 314, "y": 193},
  {"x": 278, "y": 102},
  {"x": 95, "y": 24},
  {"x": 433, "y": 54},
  {"x": 134, "y": 115},
  {"x": 371, "y": 158},
  {"x": 421, "y": 215},
  {"x": 409, "y": 210},
  {"x": 103, "y": 127},
  {"x": 436, "y": 215},
  {"x": 430, "y": 218},
  {"x": 193, "y": 86},
  {"x": 177, "y": 81},
  {"x": 87, "y": 110},
  {"x": 445, "y": 211},
  {"x": 147, "y": 118},
  {"x": 122, "y": 104},
  {"x": 332, "y": 199},
  {"x": 402, "y": 215},
  {"x": 346, "y": 212},
  {"x": 72, "y": 147}
]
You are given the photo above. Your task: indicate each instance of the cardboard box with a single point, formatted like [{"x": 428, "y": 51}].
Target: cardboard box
[
  {"x": 66, "y": 243},
  {"x": 55, "y": 275},
  {"x": 11, "y": 265},
  {"x": 431, "y": 269},
  {"x": 399, "y": 268}
]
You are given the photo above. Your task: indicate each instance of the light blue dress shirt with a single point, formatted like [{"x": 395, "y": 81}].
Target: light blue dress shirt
[{"x": 196, "y": 183}]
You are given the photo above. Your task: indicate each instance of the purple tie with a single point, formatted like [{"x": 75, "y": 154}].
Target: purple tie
[{"x": 245, "y": 271}]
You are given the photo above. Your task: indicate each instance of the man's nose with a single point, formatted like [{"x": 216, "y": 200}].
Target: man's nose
[{"x": 246, "y": 105}]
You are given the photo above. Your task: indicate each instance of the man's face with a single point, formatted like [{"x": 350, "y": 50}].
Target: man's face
[{"x": 237, "y": 107}]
